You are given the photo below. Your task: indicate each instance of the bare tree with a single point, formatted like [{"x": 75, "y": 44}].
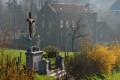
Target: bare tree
[{"x": 76, "y": 33}]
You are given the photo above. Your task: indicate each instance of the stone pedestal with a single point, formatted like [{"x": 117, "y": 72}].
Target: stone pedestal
[
  {"x": 33, "y": 59},
  {"x": 44, "y": 67}
]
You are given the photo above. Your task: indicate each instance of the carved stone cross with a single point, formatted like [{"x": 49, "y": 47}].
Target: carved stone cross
[{"x": 31, "y": 21}]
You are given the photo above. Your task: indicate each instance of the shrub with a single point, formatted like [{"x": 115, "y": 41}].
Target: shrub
[
  {"x": 78, "y": 66},
  {"x": 99, "y": 60},
  {"x": 116, "y": 49},
  {"x": 103, "y": 59},
  {"x": 10, "y": 70},
  {"x": 51, "y": 51}
]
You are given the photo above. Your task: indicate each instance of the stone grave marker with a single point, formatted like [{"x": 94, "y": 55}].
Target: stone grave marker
[
  {"x": 44, "y": 67},
  {"x": 59, "y": 62}
]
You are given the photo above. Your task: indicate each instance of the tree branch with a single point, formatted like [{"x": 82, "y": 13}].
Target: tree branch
[{"x": 80, "y": 36}]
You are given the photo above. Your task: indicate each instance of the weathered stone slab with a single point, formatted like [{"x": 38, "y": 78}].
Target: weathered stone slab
[
  {"x": 44, "y": 67},
  {"x": 33, "y": 59}
]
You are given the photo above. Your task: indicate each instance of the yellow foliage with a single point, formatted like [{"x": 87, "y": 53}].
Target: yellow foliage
[
  {"x": 104, "y": 57},
  {"x": 9, "y": 70},
  {"x": 95, "y": 59},
  {"x": 116, "y": 49}
]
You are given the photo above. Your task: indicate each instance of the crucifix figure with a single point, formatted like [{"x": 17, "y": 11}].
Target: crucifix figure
[
  {"x": 32, "y": 38},
  {"x": 29, "y": 36},
  {"x": 31, "y": 21}
]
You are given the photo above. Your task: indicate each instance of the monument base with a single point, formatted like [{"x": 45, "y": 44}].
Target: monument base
[{"x": 33, "y": 59}]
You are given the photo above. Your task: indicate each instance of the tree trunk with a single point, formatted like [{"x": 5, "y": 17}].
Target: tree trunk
[{"x": 72, "y": 44}]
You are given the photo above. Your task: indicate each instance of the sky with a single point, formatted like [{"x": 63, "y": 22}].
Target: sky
[{"x": 100, "y": 4}]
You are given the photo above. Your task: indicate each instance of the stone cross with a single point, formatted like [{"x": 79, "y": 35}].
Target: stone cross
[{"x": 31, "y": 21}]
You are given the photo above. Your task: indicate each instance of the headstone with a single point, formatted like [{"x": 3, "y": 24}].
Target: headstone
[
  {"x": 59, "y": 62},
  {"x": 44, "y": 67},
  {"x": 33, "y": 59}
]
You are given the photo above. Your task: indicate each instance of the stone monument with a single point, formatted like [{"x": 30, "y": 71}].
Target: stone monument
[
  {"x": 59, "y": 62},
  {"x": 44, "y": 67},
  {"x": 33, "y": 54}
]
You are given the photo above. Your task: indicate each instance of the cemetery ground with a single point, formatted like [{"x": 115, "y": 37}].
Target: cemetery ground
[{"x": 16, "y": 53}]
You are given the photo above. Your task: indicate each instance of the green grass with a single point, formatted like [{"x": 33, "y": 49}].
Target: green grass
[
  {"x": 68, "y": 54},
  {"x": 115, "y": 76},
  {"x": 16, "y": 53},
  {"x": 43, "y": 77}
]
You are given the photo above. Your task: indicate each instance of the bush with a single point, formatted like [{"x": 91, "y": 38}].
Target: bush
[
  {"x": 103, "y": 59},
  {"x": 51, "y": 51},
  {"x": 11, "y": 70},
  {"x": 116, "y": 49},
  {"x": 78, "y": 66},
  {"x": 99, "y": 60}
]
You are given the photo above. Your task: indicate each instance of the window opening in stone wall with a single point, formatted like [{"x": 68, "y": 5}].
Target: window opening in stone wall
[
  {"x": 61, "y": 24},
  {"x": 73, "y": 23},
  {"x": 67, "y": 23}
]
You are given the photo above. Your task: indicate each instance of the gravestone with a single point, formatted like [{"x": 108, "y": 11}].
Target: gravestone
[
  {"x": 59, "y": 62},
  {"x": 44, "y": 67}
]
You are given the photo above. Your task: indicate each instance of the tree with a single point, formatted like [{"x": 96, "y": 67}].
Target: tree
[
  {"x": 74, "y": 35},
  {"x": 81, "y": 30},
  {"x": 1, "y": 12}
]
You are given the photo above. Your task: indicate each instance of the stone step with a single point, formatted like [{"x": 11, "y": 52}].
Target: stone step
[
  {"x": 53, "y": 71},
  {"x": 58, "y": 73}
]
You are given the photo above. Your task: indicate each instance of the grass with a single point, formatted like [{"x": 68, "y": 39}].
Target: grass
[
  {"x": 68, "y": 54},
  {"x": 43, "y": 77},
  {"x": 16, "y": 53},
  {"x": 115, "y": 76}
]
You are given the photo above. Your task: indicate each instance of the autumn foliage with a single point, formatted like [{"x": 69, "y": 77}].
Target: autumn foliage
[
  {"x": 102, "y": 58},
  {"x": 10, "y": 69},
  {"x": 97, "y": 59}
]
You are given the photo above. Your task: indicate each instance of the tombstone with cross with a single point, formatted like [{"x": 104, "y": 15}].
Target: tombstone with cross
[{"x": 33, "y": 56}]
